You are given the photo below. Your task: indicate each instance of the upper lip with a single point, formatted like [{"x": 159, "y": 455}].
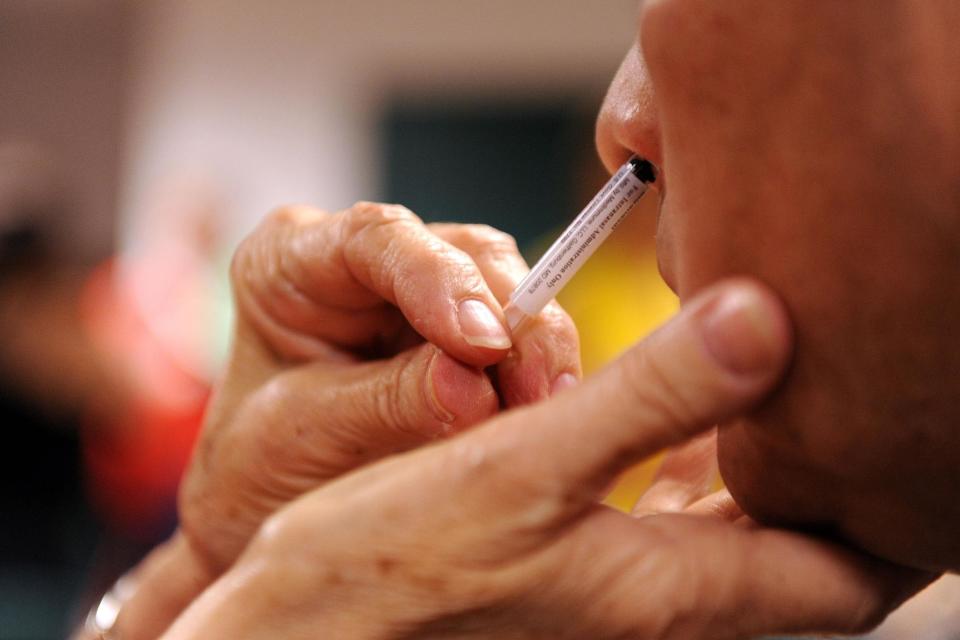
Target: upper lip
[{"x": 664, "y": 263}]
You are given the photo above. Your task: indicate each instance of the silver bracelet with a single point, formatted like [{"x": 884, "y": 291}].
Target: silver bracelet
[{"x": 103, "y": 616}]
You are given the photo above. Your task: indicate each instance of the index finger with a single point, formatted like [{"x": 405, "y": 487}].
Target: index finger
[
  {"x": 546, "y": 352},
  {"x": 341, "y": 278}
]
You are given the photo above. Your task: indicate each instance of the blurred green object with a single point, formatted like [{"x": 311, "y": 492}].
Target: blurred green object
[{"x": 510, "y": 166}]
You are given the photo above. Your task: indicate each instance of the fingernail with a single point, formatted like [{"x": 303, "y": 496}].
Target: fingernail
[
  {"x": 456, "y": 390},
  {"x": 563, "y": 381},
  {"x": 742, "y": 333},
  {"x": 480, "y": 326}
]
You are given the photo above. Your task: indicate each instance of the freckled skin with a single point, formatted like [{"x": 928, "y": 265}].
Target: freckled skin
[{"x": 815, "y": 146}]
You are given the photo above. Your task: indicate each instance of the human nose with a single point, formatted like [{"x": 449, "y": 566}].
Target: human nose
[{"x": 627, "y": 123}]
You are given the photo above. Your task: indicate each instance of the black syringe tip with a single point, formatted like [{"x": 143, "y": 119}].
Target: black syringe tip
[{"x": 643, "y": 169}]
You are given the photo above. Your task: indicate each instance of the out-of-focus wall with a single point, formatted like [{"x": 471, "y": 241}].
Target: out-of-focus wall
[
  {"x": 62, "y": 74},
  {"x": 279, "y": 101}
]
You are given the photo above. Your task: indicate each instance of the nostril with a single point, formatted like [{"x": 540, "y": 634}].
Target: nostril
[
  {"x": 643, "y": 169},
  {"x": 649, "y": 173}
]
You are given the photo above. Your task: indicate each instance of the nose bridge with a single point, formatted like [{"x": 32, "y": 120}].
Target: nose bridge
[{"x": 627, "y": 123}]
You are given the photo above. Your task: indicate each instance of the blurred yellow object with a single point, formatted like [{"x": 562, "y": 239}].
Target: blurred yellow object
[{"x": 616, "y": 299}]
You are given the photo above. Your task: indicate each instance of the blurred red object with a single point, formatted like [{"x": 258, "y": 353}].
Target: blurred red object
[{"x": 137, "y": 445}]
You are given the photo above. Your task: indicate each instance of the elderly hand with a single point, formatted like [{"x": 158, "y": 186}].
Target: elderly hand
[
  {"x": 359, "y": 334},
  {"x": 496, "y": 533}
]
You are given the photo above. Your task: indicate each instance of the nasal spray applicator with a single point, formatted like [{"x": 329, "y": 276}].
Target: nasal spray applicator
[{"x": 578, "y": 242}]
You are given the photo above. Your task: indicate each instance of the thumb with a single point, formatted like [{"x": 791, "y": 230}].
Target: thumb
[
  {"x": 415, "y": 396},
  {"x": 360, "y": 412},
  {"x": 721, "y": 354},
  {"x": 315, "y": 422}
]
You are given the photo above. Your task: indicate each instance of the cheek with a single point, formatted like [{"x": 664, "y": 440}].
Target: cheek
[
  {"x": 773, "y": 170},
  {"x": 704, "y": 213},
  {"x": 746, "y": 115}
]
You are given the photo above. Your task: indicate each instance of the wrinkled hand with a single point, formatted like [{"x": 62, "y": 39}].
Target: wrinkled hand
[
  {"x": 359, "y": 334},
  {"x": 346, "y": 328},
  {"x": 496, "y": 533}
]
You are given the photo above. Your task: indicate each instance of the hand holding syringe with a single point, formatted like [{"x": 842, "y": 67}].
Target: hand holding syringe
[{"x": 579, "y": 241}]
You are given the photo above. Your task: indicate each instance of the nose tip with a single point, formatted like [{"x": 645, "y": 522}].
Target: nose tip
[
  {"x": 627, "y": 124},
  {"x": 621, "y": 136}
]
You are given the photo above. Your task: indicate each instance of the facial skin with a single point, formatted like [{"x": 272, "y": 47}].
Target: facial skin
[{"x": 816, "y": 146}]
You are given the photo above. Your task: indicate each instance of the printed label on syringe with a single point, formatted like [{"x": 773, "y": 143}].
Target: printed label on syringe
[
  {"x": 571, "y": 230},
  {"x": 579, "y": 242}
]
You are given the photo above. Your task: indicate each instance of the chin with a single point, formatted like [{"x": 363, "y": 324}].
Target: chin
[
  {"x": 770, "y": 482},
  {"x": 776, "y": 483}
]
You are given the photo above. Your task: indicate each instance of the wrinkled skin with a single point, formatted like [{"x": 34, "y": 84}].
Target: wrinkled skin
[
  {"x": 350, "y": 345},
  {"x": 816, "y": 146},
  {"x": 496, "y": 533}
]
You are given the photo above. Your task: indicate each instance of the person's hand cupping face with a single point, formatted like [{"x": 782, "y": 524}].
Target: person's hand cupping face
[{"x": 496, "y": 533}]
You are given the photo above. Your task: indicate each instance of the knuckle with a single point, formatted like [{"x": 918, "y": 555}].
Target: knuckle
[
  {"x": 279, "y": 217},
  {"x": 380, "y": 235},
  {"x": 559, "y": 323},
  {"x": 262, "y": 251},
  {"x": 483, "y": 235},
  {"x": 370, "y": 215},
  {"x": 493, "y": 245},
  {"x": 482, "y": 241},
  {"x": 285, "y": 219},
  {"x": 466, "y": 273}
]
